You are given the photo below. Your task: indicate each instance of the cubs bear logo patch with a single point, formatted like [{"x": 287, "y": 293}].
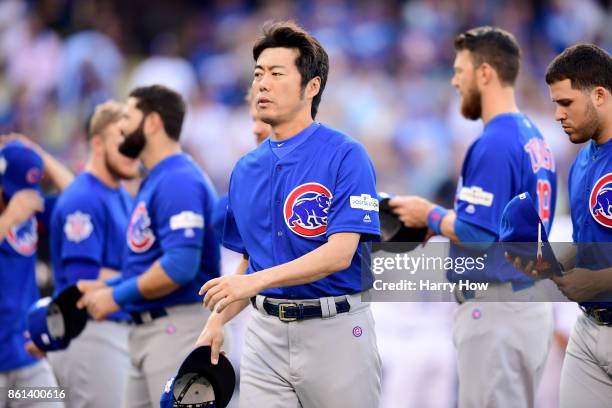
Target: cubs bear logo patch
[
  {"x": 306, "y": 209},
  {"x": 600, "y": 202},
  {"x": 140, "y": 237},
  {"x": 23, "y": 238}
]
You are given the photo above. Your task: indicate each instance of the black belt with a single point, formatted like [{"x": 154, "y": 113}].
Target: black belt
[
  {"x": 292, "y": 311},
  {"x": 147, "y": 316},
  {"x": 601, "y": 316}
]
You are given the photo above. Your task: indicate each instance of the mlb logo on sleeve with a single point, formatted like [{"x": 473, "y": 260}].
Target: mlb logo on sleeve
[{"x": 78, "y": 227}]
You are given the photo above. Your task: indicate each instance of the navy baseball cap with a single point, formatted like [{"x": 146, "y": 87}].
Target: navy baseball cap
[
  {"x": 523, "y": 234},
  {"x": 393, "y": 230},
  {"x": 54, "y": 322},
  {"x": 20, "y": 168},
  {"x": 199, "y": 383}
]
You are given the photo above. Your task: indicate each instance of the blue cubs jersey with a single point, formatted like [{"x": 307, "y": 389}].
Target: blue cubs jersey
[
  {"x": 590, "y": 193},
  {"x": 18, "y": 291},
  {"x": 173, "y": 209},
  {"x": 88, "y": 223},
  {"x": 286, "y": 198},
  {"x": 509, "y": 158}
]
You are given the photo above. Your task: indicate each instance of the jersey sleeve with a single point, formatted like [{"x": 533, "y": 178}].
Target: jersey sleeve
[
  {"x": 354, "y": 204},
  {"x": 81, "y": 229},
  {"x": 179, "y": 210},
  {"x": 486, "y": 185},
  {"x": 232, "y": 239}
]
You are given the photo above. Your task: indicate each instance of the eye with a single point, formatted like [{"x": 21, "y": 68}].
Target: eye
[
  {"x": 258, "y": 74},
  {"x": 276, "y": 74},
  {"x": 565, "y": 104}
]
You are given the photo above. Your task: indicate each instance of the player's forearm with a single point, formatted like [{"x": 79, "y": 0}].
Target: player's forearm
[
  {"x": 59, "y": 174},
  {"x": 5, "y": 226},
  {"x": 155, "y": 283},
  {"x": 447, "y": 227},
  {"x": 333, "y": 256},
  {"x": 232, "y": 310},
  {"x": 107, "y": 273},
  {"x": 567, "y": 257}
]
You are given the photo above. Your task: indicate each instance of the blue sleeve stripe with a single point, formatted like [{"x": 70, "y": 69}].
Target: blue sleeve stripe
[{"x": 181, "y": 264}]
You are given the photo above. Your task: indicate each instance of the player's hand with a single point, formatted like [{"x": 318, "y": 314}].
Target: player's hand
[
  {"x": 4, "y": 139},
  {"x": 579, "y": 284},
  {"x": 530, "y": 268},
  {"x": 220, "y": 292},
  {"x": 32, "y": 349},
  {"x": 89, "y": 285},
  {"x": 212, "y": 335},
  {"x": 22, "y": 205},
  {"x": 411, "y": 210},
  {"x": 99, "y": 303}
]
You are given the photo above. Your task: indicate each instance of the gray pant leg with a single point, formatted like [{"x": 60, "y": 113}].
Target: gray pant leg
[
  {"x": 501, "y": 349},
  {"x": 264, "y": 365},
  {"x": 99, "y": 353},
  {"x": 586, "y": 376},
  {"x": 158, "y": 348},
  {"x": 314, "y": 363},
  {"x": 335, "y": 361}
]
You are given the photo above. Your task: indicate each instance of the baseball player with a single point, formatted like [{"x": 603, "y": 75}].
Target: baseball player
[
  {"x": 299, "y": 204},
  {"x": 88, "y": 227},
  {"x": 580, "y": 81},
  {"x": 501, "y": 346},
  {"x": 171, "y": 247},
  {"x": 21, "y": 208}
]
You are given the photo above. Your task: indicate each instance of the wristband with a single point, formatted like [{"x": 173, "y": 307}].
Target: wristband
[
  {"x": 127, "y": 292},
  {"x": 114, "y": 281},
  {"x": 434, "y": 218}
]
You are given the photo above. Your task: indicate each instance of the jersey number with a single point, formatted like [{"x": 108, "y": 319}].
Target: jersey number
[{"x": 544, "y": 198}]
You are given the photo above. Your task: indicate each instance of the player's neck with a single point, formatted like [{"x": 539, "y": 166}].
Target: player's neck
[
  {"x": 98, "y": 169},
  {"x": 157, "y": 150},
  {"x": 497, "y": 102},
  {"x": 285, "y": 130},
  {"x": 606, "y": 131}
]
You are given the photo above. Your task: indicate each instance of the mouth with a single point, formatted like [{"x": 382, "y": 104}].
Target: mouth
[{"x": 263, "y": 101}]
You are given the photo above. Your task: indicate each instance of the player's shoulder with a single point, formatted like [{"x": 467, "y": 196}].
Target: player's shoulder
[
  {"x": 336, "y": 144},
  {"x": 83, "y": 193}
]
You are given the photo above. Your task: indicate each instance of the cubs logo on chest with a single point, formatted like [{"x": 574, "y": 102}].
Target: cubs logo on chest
[
  {"x": 140, "y": 237},
  {"x": 306, "y": 209},
  {"x": 600, "y": 201},
  {"x": 23, "y": 238}
]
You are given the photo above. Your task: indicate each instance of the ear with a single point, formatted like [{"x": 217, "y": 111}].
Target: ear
[
  {"x": 599, "y": 96},
  {"x": 97, "y": 144},
  {"x": 485, "y": 74},
  {"x": 153, "y": 123},
  {"x": 313, "y": 87}
]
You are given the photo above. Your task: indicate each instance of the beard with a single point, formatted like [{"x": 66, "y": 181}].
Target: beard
[
  {"x": 471, "y": 105},
  {"x": 134, "y": 142},
  {"x": 116, "y": 172},
  {"x": 590, "y": 128}
]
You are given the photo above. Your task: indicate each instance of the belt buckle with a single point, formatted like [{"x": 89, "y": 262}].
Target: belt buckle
[{"x": 282, "y": 310}]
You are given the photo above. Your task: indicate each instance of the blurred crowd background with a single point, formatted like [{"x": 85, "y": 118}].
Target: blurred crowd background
[
  {"x": 389, "y": 87},
  {"x": 389, "y": 84}
]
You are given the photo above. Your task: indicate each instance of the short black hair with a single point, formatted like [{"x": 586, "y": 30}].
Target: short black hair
[
  {"x": 493, "y": 46},
  {"x": 585, "y": 65},
  {"x": 312, "y": 60},
  {"x": 168, "y": 104}
]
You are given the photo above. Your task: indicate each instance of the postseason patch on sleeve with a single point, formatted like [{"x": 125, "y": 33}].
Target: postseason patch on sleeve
[
  {"x": 78, "y": 226},
  {"x": 185, "y": 220},
  {"x": 364, "y": 202}
]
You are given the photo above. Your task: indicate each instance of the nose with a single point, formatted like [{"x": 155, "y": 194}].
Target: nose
[
  {"x": 264, "y": 82},
  {"x": 560, "y": 114},
  {"x": 454, "y": 81}
]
